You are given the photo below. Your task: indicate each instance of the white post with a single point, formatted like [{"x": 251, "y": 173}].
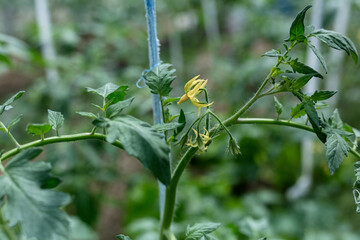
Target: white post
[
  {"x": 47, "y": 47},
  {"x": 211, "y": 21},
  {"x": 336, "y": 56}
]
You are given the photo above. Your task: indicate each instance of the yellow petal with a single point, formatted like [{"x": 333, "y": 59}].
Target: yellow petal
[
  {"x": 190, "y": 82},
  {"x": 196, "y": 90},
  {"x": 184, "y": 98},
  {"x": 196, "y": 103}
]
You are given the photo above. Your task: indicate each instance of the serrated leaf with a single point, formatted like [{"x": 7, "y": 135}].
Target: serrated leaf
[
  {"x": 278, "y": 106},
  {"x": 123, "y": 237},
  {"x": 141, "y": 141},
  {"x": 336, "y": 149},
  {"x": 56, "y": 120},
  {"x": 38, "y": 128},
  {"x": 118, "y": 94},
  {"x": 6, "y": 106},
  {"x": 14, "y": 122},
  {"x": 166, "y": 126},
  {"x": 322, "y": 95},
  {"x": 87, "y": 114},
  {"x": 297, "y": 28},
  {"x": 303, "y": 68},
  {"x": 319, "y": 56},
  {"x": 160, "y": 79},
  {"x": 200, "y": 230},
  {"x": 114, "y": 109},
  {"x": 273, "y": 53},
  {"x": 301, "y": 81},
  {"x": 335, "y": 120},
  {"x": 105, "y": 90},
  {"x": 298, "y": 111},
  {"x": 37, "y": 210},
  {"x": 337, "y": 41}
]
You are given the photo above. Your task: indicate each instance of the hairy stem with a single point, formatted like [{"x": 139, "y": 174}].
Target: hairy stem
[
  {"x": 284, "y": 123},
  {"x": 231, "y": 120},
  {"x": 171, "y": 191},
  {"x": 56, "y": 139}
]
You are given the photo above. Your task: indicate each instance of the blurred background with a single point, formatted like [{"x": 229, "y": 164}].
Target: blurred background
[{"x": 279, "y": 187}]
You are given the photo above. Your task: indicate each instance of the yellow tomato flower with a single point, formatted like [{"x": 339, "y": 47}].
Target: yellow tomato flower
[
  {"x": 200, "y": 140},
  {"x": 192, "y": 89}
]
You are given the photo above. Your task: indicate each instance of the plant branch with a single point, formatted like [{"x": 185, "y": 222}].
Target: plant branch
[
  {"x": 171, "y": 191},
  {"x": 7, "y": 131},
  {"x": 284, "y": 123},
  {"x": 232, "y": 120},
  {"x": 56, "y": 139}
]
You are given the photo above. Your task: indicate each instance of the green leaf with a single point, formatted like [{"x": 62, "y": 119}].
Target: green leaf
[
  {"x": 38, "y": 129},
  {"x": 273, "y": 53},
  {"x": 160, "y": 79},
  {"x": 140, "y": 140},
  {"x": 337, "y": 41},
  {"x": 302, "y": 68},
  {"x": 182, "y": 121},
  {"x": 199, "y": 230},
  {"x": 117, "y": 95},
  {"x": 335, "y": 120},
  {"x": 37, "y": 210},
  {"x": 56, "y": 120},
  {"x": 166, "y": 126},
  {"x": 298, "y": 111},
  {"x": 312, "y": 114},
  {"x": 318, "y": 55},
  {"x": 322, "y": 95},
  {"x": 122, "y": 237},
  {"x": 301, "y": 81},
  {"x": 297, "y": 28},
  {"x": 87, "y": 114},
  {"x": 314, "y": 119},
  {"x": 14, "y": 122},
  {"x": 105, "y": 90},
  {"x": 114, "y": 109},
  {"x": 278, "y": 106},
  {"x": 6, "y": 106},
  {"x": 336, "y": 149}
]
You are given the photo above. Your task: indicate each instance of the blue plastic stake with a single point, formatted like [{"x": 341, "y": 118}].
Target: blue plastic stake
[{"x": 154, "y": 59}]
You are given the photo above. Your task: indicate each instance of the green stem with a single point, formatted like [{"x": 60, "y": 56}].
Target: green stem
[
  {"x": 171, "y": 192},
  {"x": 7, "y": 131},
  {"x": 51, "y": 140},
  {"x": 231, "y": 120},
  {"x": 207, "y": 120},
  {"x": 284, "y": 123},
  {"x": 221, "y": 124}
]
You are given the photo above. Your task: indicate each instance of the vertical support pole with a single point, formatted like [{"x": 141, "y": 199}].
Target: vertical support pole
[
  {"x": 211, "y": 22},
  {"x": 47, "y": 47},
  {"x": 154, "y": 59}
]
